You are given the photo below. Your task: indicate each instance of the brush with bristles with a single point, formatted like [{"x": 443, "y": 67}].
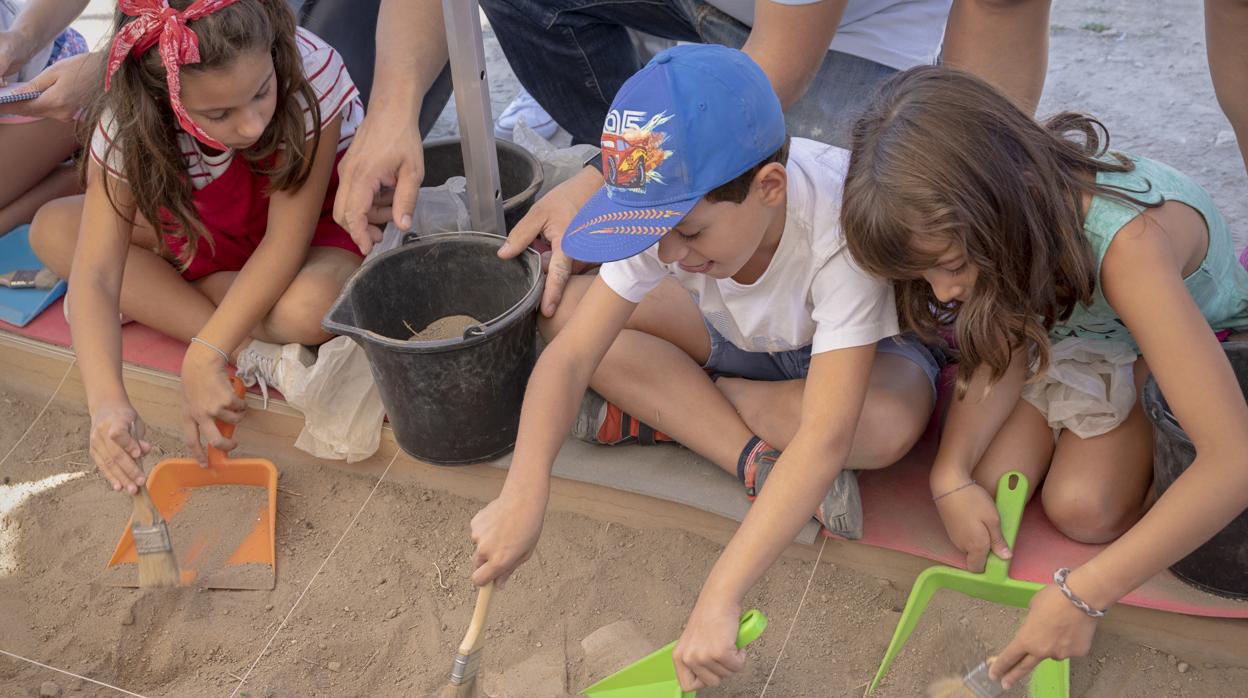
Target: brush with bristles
[
  {"x": 158, "y": 566},
  {"x": 468, "y": 660},
  {"x": 29, "y": 278},
  {"x": 976, "y": 684}
]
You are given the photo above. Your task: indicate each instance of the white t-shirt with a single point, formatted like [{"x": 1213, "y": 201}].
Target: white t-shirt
[
  {"x": 811, "y": 294},
  {"x": 326, "y": 72},
  {"x": 897, "y": 33}
]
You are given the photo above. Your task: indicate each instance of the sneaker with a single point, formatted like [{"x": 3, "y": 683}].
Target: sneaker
[
  {"x": 840, "y": 511},
  {"x": 527, "y": 108},
  {"x": 600, "y": 422},
  {"x": 271, "y": 365}
]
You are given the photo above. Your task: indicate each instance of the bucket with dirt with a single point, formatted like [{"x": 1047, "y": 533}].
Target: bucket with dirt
[
  {"x": 451, "y": 335},
  {"x": 519, "y": 173},
  {"x": 1219, "y": 566}
]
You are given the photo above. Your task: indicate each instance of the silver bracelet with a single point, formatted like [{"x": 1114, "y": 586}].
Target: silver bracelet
[
  {"x": 1059, "y": 578},
  {"x": 224, "y": 356},
  {"x": 963, "y": 486}
]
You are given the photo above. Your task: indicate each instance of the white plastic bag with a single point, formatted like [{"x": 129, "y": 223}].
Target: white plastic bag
[
  {"x": 1089, "y": 387},
  {"x": 443, "y": 208},
  {"x": 558, "y": 164},
  {"x": 339, "y": 401}
]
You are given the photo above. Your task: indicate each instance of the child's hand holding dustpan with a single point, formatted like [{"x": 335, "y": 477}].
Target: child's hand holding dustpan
[
  {"x": 655, "y": 675},
  {"x": 251, "y": 564}
]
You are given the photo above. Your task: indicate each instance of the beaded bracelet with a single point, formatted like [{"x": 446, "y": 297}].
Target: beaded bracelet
[
  {"x": 963, "y": 486},
  {"x": 1059, "y": 577}
]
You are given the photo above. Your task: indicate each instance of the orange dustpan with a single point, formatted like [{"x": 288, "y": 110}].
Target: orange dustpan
[{"x": 253, "y": 564}]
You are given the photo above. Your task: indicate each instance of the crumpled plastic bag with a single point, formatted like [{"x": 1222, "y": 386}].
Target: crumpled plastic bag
[
  {"x": 1089, "y": 387},
  {"x": 558, "y": 164},
  {"x": 443, "y": 208},
  {"x": 341, "y": 406}
]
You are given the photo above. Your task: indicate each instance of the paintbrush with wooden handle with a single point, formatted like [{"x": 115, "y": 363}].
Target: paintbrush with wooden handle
[
  {"x": 468, "y": 660},
  {"x": 158, "y": 566}
]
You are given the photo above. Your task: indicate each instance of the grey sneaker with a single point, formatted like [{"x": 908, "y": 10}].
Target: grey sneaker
[
  {"x": 590, "y": 417},
  {"x": 270, "y": 365},
  {"x": 840, "y": 512}
]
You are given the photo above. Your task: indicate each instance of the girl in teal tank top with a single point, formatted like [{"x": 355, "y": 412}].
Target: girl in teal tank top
[{"x": 1066, "y": 274}]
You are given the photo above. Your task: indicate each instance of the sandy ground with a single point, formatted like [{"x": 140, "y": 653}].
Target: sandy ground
[{"x": 387, "y": 610}]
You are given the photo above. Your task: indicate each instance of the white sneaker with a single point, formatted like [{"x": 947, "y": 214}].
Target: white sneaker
[
  {"x": 527, "y": 108},
  {"x": 271, "y": 365}
]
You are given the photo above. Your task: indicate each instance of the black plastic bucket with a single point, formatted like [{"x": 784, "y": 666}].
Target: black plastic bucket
[
  {"x": 450, "y": 401},
  {"x": 1219, "y": 566},
  {"x": 519, "y": 173}
]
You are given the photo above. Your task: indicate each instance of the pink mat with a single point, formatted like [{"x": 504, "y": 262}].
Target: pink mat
[{"x": 1039, "y": 550}]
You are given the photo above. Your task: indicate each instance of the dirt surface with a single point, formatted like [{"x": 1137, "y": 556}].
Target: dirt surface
[
  {"x": 388, "y": 610},
  {"x": 448, "y": 327}
]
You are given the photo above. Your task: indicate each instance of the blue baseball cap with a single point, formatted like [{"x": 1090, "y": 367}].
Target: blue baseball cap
[{"x": 694, "y": 118}]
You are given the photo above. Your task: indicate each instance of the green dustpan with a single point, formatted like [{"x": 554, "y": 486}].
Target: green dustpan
[
  {"x": 1050, "y": 679},
  {"x": 655, "y": 675}
]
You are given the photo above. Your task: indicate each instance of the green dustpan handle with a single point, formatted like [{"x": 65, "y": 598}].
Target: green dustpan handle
[
  {"x": 753, "y": 623},
  {"x": 1012, "y": 491}
]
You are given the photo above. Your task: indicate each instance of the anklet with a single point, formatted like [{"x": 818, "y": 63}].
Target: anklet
[
  {"x": 1059, "y": 578},
  {"x": 963, "y": 486},
  {"x": 224, "y": 356}
]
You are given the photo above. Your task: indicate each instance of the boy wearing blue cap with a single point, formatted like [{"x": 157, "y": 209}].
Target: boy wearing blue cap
[{"x": 724, "y": 256}]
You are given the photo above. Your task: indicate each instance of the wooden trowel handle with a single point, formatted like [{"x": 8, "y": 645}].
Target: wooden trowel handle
[{"x": 476, "y": 628}]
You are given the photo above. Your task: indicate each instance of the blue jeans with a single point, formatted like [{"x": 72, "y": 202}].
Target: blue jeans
[{"x": 573, "y": 55}]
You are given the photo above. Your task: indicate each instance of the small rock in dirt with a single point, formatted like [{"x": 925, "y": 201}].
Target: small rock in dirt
[
  {"x": 268, "y": 607},
  {"x": 393, "y": 612},
  {"x": 1172, "y": 659},
  {"x": 612, "y": 647},
  {"x": 49, "y": 689},
  {"x": 334, "y": 666},
  {"x": 1183, "y": 667}
]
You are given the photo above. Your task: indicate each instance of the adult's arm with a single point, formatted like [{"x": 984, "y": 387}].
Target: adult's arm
[
  {"x": 789, "y": 42},
  {"x": 39, "y": 22},
  {"x": 387, "y": 151}
]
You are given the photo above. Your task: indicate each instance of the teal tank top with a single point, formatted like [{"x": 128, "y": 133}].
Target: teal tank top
[{"x": 1219, "y": 286}]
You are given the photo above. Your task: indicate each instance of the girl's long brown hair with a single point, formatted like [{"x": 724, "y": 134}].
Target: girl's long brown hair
[
  {"x": 138, "y": 104},
  {"x": 941, "y": 157}
]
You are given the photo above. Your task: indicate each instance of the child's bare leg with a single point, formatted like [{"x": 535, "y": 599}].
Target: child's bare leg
[
  {"x": 296, "y": 317},
  {"x": 895, "y": 413},
  {"x": 653, "y": 371},
  {"x": 1226, "y": 25},
  {"x": 1097, "y": 487},
  {"x": 1024, "y": 443},
  {"x": 152, "y": 291},
  {"x": 63, "y": 181},
  {"x": 31, "y": 152}
]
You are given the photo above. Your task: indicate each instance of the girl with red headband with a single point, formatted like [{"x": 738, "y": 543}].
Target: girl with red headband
[{"x": 208, "y": 212}]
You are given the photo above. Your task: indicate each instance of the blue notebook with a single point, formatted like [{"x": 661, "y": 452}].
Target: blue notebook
[{"x": 18, "y": 306}]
